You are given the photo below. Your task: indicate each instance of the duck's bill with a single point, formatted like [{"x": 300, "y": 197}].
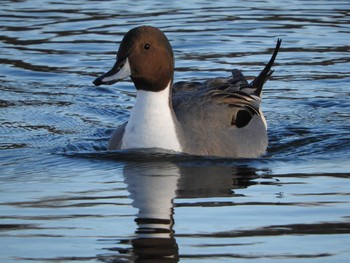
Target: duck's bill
[{"x": 120, "y": 70}]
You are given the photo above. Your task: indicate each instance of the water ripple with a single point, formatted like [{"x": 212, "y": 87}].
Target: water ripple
[{"x": 65, "y": 198}]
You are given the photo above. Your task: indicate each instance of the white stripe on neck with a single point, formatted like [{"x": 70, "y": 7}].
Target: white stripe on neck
[{"x": 151, "y": 123}]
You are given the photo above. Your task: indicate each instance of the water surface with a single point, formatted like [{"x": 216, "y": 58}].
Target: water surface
[{"x": 63, "y": 198}]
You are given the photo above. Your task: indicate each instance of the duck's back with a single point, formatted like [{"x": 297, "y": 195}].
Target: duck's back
[{"x": 220, "y": 117}]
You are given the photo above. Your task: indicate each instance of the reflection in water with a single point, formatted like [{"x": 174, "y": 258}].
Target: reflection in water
[{"x": 153, "y": 187}]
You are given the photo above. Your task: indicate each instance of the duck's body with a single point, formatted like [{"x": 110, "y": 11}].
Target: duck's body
[{"x": 219, "y": 117}]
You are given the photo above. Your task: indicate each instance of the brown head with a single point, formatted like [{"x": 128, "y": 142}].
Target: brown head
[{"x": 145, "y": 55}]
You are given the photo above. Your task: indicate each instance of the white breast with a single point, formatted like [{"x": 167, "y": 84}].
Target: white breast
[{"x": 151, "y": 123}]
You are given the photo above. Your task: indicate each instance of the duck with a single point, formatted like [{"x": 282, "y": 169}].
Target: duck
[{"x": 219, "y": 117}]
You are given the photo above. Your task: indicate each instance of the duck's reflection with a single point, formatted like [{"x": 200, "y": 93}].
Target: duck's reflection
[{"x": 153, "y": 188}]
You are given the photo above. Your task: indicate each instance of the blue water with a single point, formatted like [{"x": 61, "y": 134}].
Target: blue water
[{"x": 63, "y": 198}]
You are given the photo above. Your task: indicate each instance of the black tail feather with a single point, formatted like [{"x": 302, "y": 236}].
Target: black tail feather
[{"x": 264, "y": 75}]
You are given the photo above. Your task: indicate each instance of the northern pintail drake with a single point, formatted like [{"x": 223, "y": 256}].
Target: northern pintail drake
[{"x": 218, "y": 117}]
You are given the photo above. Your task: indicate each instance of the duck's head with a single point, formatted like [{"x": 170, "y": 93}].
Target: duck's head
[{"x": 145, "y": 55}]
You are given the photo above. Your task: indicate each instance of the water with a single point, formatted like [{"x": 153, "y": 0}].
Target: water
[{"x": 63, "y": 198}]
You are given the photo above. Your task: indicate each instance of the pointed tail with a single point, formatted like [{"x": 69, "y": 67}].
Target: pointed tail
[{"x": 260, "y": 80}]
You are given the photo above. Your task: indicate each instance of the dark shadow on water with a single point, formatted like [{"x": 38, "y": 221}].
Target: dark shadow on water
[{"x": 160, "y": 155}]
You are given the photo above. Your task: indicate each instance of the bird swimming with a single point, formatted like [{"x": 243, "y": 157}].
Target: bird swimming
[{"x": 218, "y": 117}]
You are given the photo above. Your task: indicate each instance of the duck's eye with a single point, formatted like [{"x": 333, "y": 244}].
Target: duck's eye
[
  {"x": 147, "y": 46},
  {"x": 241, "y": 119}
]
